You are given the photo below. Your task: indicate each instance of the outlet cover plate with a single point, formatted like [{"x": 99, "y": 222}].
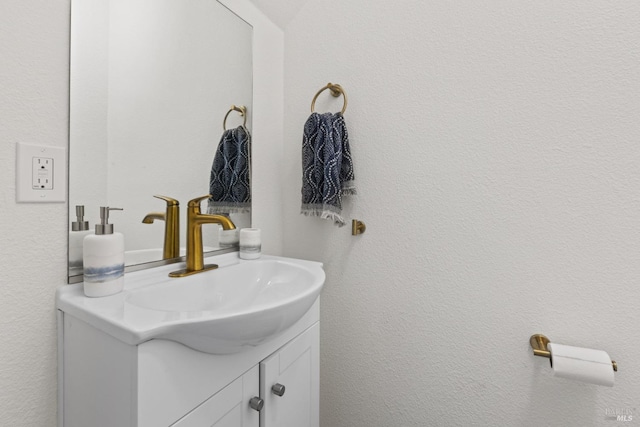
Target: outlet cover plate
[{"x": 41, "y": 174}]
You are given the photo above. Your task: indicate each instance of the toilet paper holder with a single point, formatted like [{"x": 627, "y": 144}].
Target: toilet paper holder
[{"x": 539, "y": 343}]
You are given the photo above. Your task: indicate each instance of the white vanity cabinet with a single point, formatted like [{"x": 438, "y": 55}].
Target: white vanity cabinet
[
  {"x": 289, "y": 383},
  {"x": 287, "y": 397},
  {"x": 106, "y": 383},
  {"x": 228, "y": 407}
]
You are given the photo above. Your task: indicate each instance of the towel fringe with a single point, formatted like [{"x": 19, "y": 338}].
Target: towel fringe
[
  {"x": 217, "y": 208},
  {"x": 324, "y": 212}
]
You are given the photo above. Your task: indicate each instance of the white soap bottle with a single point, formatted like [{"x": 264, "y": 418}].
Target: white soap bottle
[
  {"x": 79, "y": 230},
  {"x": 103, "y": 259}
]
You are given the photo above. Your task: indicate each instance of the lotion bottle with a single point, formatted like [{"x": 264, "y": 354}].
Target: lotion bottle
[
  {"x": 79, "y": 230},
  {"x": 103, "y": 258}
]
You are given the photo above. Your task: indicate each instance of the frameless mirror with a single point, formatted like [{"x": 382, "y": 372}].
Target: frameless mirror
[{"x": 151, "y": 82}]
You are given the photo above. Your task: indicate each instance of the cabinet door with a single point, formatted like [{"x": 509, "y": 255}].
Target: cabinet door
[
  {"x": 229, "y": 407},
  {"x": 296, "y": 367}
]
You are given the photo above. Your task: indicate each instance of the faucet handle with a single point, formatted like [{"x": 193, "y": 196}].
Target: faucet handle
[
  {"x": 195, "y": 203},
  {"x": 169, "y": 200}
]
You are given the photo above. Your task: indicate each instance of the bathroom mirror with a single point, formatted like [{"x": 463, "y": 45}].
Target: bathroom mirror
[{"x": 150, "y": 84}]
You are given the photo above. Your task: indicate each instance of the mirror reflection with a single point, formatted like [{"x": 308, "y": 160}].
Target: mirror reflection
[{"x": 152, "y": 82}]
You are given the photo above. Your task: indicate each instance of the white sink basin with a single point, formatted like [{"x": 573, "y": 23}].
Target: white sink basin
[{"x": 239, "y": 305}]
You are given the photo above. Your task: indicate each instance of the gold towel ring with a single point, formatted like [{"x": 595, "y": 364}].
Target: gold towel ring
[
  {"x": 336, "y": 91},
  {"x": 243, "y": 113}
]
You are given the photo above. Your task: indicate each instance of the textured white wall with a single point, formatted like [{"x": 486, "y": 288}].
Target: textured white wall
[
  {"x": 34, "y": 73},
  {"x": 497, "y": 159}
]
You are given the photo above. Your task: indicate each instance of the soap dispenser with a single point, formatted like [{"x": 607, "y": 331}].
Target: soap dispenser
[
  {"x": 79, "y": 230},
  {"x": 103, "y": 258}
]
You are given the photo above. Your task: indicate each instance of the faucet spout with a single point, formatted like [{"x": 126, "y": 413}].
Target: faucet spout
[
  {"x": 153, "y": 216},
  {"x": 224, "y": 221},
  {"x": 195, "y": 220}
]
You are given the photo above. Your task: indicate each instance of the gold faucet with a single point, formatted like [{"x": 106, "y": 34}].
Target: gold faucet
[
  {"x": 195, "y": 220},
  {"x": 171, "y": 218}
]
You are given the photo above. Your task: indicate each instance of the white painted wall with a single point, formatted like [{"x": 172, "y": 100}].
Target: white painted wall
[
  {"x": 497, "y": 159},
  {"x": 34, "y": 74}
]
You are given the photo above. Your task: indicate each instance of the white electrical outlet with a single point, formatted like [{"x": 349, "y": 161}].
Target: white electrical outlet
[
  {"x": 42, "y": 170},
  {"x": 41, "y": 173}
]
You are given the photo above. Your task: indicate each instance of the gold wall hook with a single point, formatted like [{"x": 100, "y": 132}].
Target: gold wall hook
[{"x": 357, "y": 227}]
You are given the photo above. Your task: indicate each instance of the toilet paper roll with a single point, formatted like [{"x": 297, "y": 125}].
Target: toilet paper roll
[{"x": 581, "y": 364}]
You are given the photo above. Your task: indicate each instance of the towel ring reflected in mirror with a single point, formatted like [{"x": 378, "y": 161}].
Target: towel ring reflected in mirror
[
  {"x": 336, "y": 91},
  {"x": 240, "y": 109}
]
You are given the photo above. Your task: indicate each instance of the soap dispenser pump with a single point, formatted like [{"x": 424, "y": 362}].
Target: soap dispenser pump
[
  {"x": 79, "y": 230},
  {"x": 103, "y": 258}
]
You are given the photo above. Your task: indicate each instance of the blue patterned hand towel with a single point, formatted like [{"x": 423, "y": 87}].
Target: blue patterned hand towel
[
  {"x": 327, "y": 167},
  {"x": 230, "y": 185}
]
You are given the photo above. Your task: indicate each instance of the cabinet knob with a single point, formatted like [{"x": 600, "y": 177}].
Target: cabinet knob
[
  {"x": 278, "y": 389},
  {"x": 256, "y": 403}
]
